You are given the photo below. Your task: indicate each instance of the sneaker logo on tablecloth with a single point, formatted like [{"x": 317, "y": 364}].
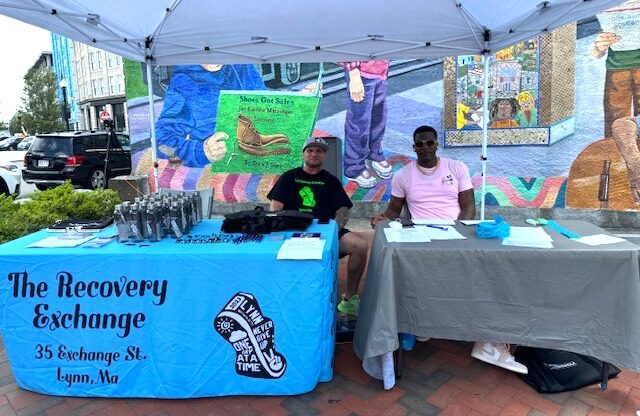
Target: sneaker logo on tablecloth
[{"x": 252, "y": 336}]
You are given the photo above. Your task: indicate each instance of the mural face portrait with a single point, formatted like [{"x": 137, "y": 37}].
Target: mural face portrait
[
  {"x": 526, "y": 104},
  {"x": 504, "y": 110}
]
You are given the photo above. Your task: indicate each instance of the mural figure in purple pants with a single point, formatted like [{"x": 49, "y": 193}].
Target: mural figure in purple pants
[{"x": 365, "y": 122}]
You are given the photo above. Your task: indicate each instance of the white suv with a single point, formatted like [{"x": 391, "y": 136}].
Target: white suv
[{"x": 10, "y": 172}]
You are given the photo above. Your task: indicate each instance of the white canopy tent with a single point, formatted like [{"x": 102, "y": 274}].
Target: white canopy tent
[{"x": 252, "y": 31}]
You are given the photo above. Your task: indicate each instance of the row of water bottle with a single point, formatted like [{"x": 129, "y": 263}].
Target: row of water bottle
[{"x": 154, "y": 217}]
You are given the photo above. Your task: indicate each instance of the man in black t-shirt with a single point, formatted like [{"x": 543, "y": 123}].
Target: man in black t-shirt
[{"x": 313, "y": 190}]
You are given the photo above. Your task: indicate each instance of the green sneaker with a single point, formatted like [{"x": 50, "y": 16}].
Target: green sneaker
[{"x": 350, "y": 306}]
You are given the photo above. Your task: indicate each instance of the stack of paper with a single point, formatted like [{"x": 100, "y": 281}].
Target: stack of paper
[
  {"x": 62, "y": 241},
  {"x": 441, "y": 232},
  {"x": 528, "y": 237},
  {"x": 406, "y": 235},
  {"x": 598, "y": 239},
  {"x": 301, "y": 249}
]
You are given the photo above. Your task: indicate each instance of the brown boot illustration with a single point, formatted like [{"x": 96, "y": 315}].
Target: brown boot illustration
[
  {"x": 253, "y": 142},
  {"x": 625, "y": 134}
]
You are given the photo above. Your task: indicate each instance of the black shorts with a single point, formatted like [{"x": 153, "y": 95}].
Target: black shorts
[{"x": 342, "y": 232}]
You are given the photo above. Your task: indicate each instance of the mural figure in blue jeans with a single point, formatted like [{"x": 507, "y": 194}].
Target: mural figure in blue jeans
[{"x": 365, "y": 122}]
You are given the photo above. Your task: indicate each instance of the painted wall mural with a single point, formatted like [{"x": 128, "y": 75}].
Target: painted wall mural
[{"x": 562, "y": 116}]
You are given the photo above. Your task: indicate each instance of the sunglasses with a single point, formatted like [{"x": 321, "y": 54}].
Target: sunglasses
[{"x": 423, "y": 143}]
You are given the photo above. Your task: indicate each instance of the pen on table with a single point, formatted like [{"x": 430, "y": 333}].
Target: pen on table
[{"x": 439, "y": 227}]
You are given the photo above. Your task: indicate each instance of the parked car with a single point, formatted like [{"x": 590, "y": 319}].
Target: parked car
[
  {"x": 10, "y": 143},
  {"x": 25, "y": 143},
  {"x": 9, "y": 178},
  {"x": 78, "y": 156}
]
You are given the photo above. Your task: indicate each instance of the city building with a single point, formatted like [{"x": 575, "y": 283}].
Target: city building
[
  {"x": 45, "y": 60},
  {"x": 95, "y": 83},
  {"x": 65, "y": 71}
]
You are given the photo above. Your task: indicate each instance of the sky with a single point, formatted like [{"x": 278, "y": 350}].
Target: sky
[{"x": 20, "y": 47}]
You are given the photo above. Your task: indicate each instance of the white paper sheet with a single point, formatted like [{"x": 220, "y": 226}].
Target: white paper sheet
[
  {"x": 406, "y": 235},
  {"x": 598, "y": 239},
  {"x": 301, "y": 249},
  {"x": 534, "y": 237},
  {"x": 61, "y": 241},
  {"x": 434, "y": 221},
  {"x": 448, "y": 233}
]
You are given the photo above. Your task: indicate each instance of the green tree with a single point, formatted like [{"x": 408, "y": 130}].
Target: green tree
[
  {"x": 41, "y": 110},
  {"x": 15, "y": 124}
]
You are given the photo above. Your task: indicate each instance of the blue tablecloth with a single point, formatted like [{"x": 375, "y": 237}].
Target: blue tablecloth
[{"x": 168, "y": 320}]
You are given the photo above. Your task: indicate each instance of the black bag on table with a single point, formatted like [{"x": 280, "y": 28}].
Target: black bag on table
[
  {"x": 555, "y": 371},
  {"x": 259, "y": 221}
]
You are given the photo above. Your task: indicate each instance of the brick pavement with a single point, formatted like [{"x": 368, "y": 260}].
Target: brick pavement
[{"x": 439, "y": 378}]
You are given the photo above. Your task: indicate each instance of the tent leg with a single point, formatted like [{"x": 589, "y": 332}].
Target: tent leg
[
  {"x": 152, "y": 127},
  {"x": 485, "y": 125}
]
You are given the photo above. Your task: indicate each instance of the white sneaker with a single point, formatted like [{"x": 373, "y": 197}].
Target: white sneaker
[
  {"x": 365, "y": 180},
  {"x": 422, "y": 339},
  {"x": 497, "y": 354},
  {"x": 383, "y": 169}
]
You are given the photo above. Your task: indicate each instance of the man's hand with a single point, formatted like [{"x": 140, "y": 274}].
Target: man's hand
[
  {"x": 602, "y": 43},
  {"x": 356, "y": 88},
  {"x": 214, "y": 147},
  {"x": 375, "y": 219}
]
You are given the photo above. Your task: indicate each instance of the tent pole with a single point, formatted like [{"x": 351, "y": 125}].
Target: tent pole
[
  {"x": 152, "y": 126},
  {"x": 485, "y": 125}
]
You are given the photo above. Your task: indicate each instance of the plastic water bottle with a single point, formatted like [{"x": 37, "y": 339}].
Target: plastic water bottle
[
  {"x": 198, "y": 200},
  {"x": 153, "y": 224},
  {"x": 143, "y": 218},
  {"x": 184, "y": 219},
  {"x": 135, "y": 224},
  {"x": 121, "y": 224},
  {"x": 175, "y": 220}
]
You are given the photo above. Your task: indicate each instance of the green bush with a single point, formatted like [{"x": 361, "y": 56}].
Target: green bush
[{"x": 47, "y": 207}]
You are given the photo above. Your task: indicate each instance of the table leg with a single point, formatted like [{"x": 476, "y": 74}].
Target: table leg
[
  {"x": 605, "y": 376},
  {"x": 398, "y": 360}
]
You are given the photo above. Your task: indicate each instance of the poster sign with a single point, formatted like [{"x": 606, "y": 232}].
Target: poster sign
[{"x": 266, "y": 129}]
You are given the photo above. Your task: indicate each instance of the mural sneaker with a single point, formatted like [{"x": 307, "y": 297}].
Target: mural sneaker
[
  {"x": 497, "y": 354},
  {"x": 350, "y": 306},
  {"x": 383, "y": 169},
  {"x": 364, "y": 180}
]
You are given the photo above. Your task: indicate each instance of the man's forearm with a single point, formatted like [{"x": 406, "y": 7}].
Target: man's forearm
[
  {"x": 467, "y": 213},
  {"x": 390, "y": 213}
]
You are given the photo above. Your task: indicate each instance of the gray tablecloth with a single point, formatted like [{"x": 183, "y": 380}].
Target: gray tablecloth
[{"x": 573, "y": 297}]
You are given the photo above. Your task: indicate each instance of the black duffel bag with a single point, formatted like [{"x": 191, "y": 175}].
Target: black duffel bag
[
  {"x": 555, "y": 371},
  {"x": 260, "y": 221}
]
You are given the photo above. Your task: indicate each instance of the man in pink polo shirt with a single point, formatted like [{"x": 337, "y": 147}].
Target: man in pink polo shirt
[{"x": 438, "y": 187}]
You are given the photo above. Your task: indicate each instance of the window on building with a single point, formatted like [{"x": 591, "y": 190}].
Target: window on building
[
  {"x": 94, "y": 87},
  {"x": 103, "y": 90},
  {"x": 121, "y": 84},
  {"x": 99, "y": 55},
  {"x": 92, "y": 61},
  {"x": 112, "y": 85},
  {"x": 111, "y": 59}
]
